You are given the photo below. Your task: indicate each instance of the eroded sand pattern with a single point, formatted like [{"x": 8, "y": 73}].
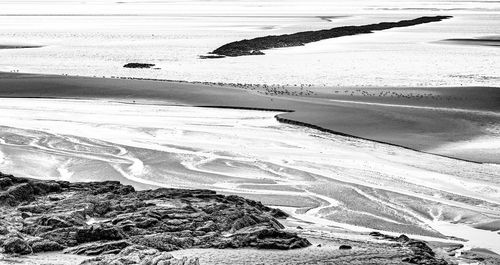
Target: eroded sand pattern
[{"x": 349, "y": 183}]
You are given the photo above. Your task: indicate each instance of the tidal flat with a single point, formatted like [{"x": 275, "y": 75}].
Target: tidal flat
[{"x": 355, "y": 184}]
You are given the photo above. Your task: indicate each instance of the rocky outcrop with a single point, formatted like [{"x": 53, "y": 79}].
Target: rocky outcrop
[
  {"x": 421, "y": 253},
  {"x": 139, "y": 65},
  {"x": 256, "y": 45},
  {"x": 107, "y": 218}
]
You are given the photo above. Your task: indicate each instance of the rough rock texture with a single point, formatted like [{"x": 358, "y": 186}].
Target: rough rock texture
[
  {"x": 101, "y": 218},
  {"x": 255, "y": 46},
  {"x": 421, "y": 253},
  {"x": 15, "y": 245}
]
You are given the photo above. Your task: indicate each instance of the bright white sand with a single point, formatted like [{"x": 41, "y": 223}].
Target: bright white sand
[
  {"x": 172, "y": 34},
  {"x": 357, "y": 184}
]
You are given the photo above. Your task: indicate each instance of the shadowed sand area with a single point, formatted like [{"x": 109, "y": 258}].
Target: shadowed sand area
[{"x": 460, "y": 122}]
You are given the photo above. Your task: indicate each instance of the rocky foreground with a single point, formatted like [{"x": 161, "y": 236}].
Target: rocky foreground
[
  {"x": 111, "y": 223},
  {"x": 119, "y": 225}
]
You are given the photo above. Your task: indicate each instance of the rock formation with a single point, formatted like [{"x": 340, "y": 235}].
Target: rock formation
[
  {"x": 256, "y": 45},
  {"x": 421, "y": 253},
  {"x": 116, "y": 222},
  {"x": 138, "y": 65}
]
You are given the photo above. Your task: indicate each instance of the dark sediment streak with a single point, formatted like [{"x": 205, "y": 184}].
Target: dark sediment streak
[
  {"x": 494, "y": 42},
  {"x": 322, "y": 129},
  {"x": 255, "y": 46},
  {"x": 19, "y": 46}
]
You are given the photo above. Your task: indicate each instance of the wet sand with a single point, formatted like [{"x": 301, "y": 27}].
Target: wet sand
[
  {"x": 441, "y": 121},
  {"x": 317, "y": 177}
]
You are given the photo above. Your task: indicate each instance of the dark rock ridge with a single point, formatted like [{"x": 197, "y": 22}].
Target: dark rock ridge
[
  {"x": 256, "y": 45},
  {"x": 421, "y": 253},
  {"x": 139, "y": 65},
  {"x": 111, "y": 220}
]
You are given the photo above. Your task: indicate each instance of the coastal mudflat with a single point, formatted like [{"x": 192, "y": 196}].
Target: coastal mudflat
[{"x": 460, "y": 122}]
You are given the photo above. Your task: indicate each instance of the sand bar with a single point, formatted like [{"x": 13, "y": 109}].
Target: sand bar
[{"x": 424, "y": 129}]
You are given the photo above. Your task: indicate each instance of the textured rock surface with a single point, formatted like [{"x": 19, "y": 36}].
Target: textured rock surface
[
  {"x": 104, "y": 218},
  {"x": 15, "y": 245},
  {"x": 140, "y": 255}
]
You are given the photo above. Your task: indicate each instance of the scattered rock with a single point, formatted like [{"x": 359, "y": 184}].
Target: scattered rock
[
  {"x": 421, "y": 253},
  {"x": 267, "y": 238},
  {"x": 138, "y": 65},
  {"x": 345, "y": 247},
  {"x": 278, "y": 213}
]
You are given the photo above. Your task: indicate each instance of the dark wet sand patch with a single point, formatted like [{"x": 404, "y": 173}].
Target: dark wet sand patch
[
  {"x": 420, "y": 129},
  {"x": 493, "y": 41}
]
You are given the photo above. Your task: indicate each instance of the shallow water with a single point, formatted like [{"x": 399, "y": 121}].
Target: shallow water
[
  {"x": 96, "y": 38},
  {"x": 349, "y": 183}
]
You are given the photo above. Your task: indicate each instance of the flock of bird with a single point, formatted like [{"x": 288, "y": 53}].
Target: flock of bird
[{"x": 303, "y": 89}]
